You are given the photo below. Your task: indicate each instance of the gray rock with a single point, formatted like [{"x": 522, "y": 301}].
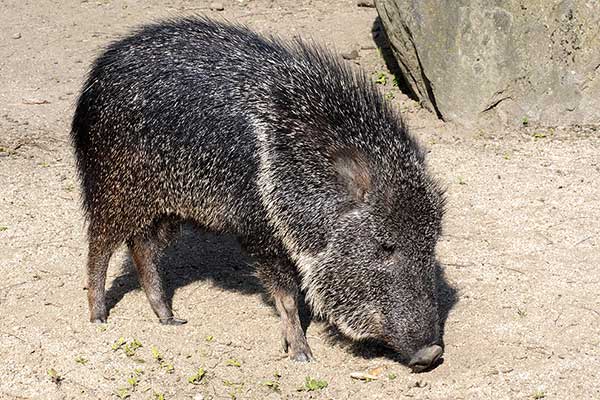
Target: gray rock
[{"x": 476, "y": 61}]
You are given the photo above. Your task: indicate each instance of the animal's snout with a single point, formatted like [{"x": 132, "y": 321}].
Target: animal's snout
[{"x": 426, "y": 358}]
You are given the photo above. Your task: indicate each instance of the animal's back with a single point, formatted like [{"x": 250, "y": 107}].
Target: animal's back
[
  {"x": 162, "y": 126},
  {"x": 213, "y": 122}
]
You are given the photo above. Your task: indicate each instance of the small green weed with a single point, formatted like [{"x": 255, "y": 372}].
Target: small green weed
[
  {"x": 272, "y": 384},
  {"x": 168, "y": 367},
  {"x": 54, "y": 376},
  {"x": 236, "y": 388},
  {"x": 118, "y": 343},
  {"x": 130, "y": 348},
  {"x": 122, "y": 393},
  {"x": 381, "y": 79},
  {"x": 311, "y": 384},
  {"x": 134, "y": 378},
  {"x": 196, "y": 379},
  {"x": 233, "y": 363},
  {"x": 81, "y": 360}
]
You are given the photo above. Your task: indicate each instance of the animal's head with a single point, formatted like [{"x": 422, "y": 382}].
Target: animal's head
[{"x": 377, "y": 276}]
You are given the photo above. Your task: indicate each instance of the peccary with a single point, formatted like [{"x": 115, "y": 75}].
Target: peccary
[{"x": 277, "y": 142}]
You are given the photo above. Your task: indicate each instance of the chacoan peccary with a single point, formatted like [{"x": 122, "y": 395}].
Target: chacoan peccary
[{"x": 277, "y": 142}]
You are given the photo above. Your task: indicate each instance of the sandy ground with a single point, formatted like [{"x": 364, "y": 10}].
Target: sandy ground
[{"x": 521, "y": 249}]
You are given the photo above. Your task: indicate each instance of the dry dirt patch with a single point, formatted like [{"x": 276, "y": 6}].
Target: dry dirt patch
[{"x": 521, "y": 245}]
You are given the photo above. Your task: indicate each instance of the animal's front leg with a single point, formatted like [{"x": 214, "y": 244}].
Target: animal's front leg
[
  {"x": 294, "y": 339},
  {"x": 279, "y": 277}
]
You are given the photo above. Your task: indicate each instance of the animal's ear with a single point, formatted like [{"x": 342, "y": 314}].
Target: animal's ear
[{"x": 353, "y": 173}]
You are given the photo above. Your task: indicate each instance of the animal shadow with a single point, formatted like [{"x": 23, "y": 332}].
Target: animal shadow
[
  {"x": 192, "y": 256},
  {"x": 196, "y": 255}
]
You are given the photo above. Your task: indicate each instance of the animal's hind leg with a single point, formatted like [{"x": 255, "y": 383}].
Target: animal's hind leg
[
  {"x": 280, "y": 279},
  {"x": 146, "y": 249},
  {"x": 99, "y": 254}
]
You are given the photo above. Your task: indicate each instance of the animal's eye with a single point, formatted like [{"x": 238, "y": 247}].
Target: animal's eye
[{"x": 388, "y": 248}]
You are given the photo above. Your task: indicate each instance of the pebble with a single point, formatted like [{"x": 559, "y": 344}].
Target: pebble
[
  {"x": 369, "y": 375},
  {"x": 216, "y": 6},
  {"x": 16, "y": 35},
  {"x": 417, "y": 384},
  {"x": 366, "y": 3},
  {"x": 363, "y": 376},
  {"x": 352, "y": 55}
]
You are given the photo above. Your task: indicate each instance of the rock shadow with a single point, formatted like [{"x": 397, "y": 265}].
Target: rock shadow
[{"x": 381, "y": 40}]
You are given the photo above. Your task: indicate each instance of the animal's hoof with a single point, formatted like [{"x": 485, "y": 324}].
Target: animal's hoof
[
  {"x": 173, "y": 321},
  {"x": 98, "y": 317},
  {"x": 302, "y": 356}
]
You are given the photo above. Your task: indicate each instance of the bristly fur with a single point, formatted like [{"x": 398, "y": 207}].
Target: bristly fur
[{"x": 279, "y": 142}]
